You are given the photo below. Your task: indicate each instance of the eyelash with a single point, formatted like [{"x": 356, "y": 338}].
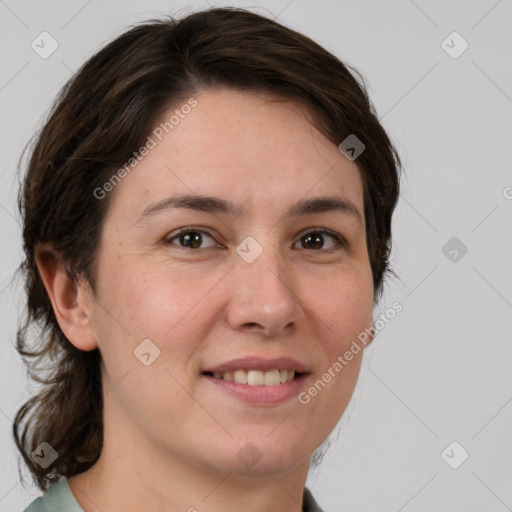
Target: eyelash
[{"x": 340, "y": 240}]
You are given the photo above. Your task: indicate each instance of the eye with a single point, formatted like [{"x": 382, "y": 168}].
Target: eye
[
  {"x": 189, "y": 239},
  {"x": 314, "y": 239}
]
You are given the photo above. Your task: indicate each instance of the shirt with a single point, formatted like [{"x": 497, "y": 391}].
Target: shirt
[{"x": 59, "y": 498}]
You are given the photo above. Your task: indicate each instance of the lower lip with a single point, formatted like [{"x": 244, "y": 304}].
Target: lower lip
[{"x": 260, "y": 395}]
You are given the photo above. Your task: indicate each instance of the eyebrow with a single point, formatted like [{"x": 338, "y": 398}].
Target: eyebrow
[{"x": 215, "y": 205}]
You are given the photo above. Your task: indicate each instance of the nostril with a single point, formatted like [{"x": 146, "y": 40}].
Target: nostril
[{"x": 251, "y": 324}]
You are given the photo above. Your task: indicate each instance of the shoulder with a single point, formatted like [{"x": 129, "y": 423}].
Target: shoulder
[{"x": 57, "y": 498}]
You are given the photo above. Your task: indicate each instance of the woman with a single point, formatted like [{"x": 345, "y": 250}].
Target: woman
[{"x": 207, "y": 226}]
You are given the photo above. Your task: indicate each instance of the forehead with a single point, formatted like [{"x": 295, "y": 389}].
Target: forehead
[{"x": 247, "y": 147}]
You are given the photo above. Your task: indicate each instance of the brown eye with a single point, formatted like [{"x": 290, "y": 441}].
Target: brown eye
[
  {"x": 315, "y": 239},
  {"x": 189, "y": 239}
]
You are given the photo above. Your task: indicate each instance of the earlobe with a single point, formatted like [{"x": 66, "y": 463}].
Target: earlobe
[{"x": 70, "y": 300}]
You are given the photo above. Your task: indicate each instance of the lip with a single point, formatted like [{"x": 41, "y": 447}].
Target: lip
[
  {"x": 259, "y": 395},
  {"x": 259, "y": 363}
]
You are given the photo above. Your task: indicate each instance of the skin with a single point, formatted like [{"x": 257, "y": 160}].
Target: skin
[{"x": 170, "y": 436}]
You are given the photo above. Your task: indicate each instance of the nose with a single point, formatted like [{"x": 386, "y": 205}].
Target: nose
[{"x": 263, "y": 296}]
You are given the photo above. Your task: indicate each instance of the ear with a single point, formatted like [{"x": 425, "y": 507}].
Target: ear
[{"x": 71, "y": 301}]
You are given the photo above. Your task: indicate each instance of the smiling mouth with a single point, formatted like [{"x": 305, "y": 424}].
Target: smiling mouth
[{"x": 256, "y": 377}]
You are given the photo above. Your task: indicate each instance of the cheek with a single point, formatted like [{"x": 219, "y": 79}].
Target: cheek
[
  {"x": 145, "y": 299},
  {"x": 344, "y": 306},
  {"x": 156, "y": 301},
  {"x": 343, "y": 302},
  {"x": 140, "y": 303}
]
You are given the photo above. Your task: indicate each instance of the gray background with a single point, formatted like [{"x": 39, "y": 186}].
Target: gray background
[{"x": 440, "y": 371}]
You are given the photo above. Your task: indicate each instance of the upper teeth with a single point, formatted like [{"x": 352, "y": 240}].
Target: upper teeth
[{"x": 257, "y": 377}]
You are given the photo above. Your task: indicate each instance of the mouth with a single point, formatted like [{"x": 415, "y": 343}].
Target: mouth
[
  {"x": 274, "y": 377},
  {"x": 259, "y": 381}
]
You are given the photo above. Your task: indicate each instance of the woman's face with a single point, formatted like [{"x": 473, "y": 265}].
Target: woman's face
[{"x": 242, "y": 288}]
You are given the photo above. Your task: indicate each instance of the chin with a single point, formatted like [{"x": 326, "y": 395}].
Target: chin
[{"x": 260, "y": 455}]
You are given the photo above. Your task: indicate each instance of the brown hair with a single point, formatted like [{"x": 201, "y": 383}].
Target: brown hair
[{"x": 102, "y": 115}]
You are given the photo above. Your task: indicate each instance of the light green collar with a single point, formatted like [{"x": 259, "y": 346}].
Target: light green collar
[{"x": 59, "y": 498}]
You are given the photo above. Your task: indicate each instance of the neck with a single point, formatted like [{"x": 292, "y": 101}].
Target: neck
[
  {"x": 107, "y": 486},
  {"x": 138, "y": 475}
]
